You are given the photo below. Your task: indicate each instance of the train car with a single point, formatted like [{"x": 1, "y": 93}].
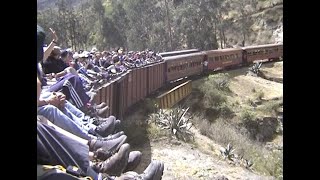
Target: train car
[
  {"x": 106, "y": 94},
  {"x": 222, "y": 58},
  {"x": 181, "y": 66},
  {"x": 175, "y": 53},
  {"x": 137, "y": 85},
  {"x": 262, "y": 52},
  {"x": 155, "y": 77}
]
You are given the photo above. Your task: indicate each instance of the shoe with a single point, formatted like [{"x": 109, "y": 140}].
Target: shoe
[
  {"x": 153, "y": 172},
  {"x": 133, "y": 161},
  {"x": 109, "y": 145},
  {"x": 102, "y": 154},
  {"x": 92, "y": 96},
  {"x": 106, "y": 128},
  {"x": 112, "y": 136},
  {"x": 115, "y": 165},
  {"x": 117, "y": 125},
  {"x": 158, "y": 175},
  {"x": 102, "y": 112},
  {"x": 101, "y": 105},
  {"x": 100, "y": 120}
]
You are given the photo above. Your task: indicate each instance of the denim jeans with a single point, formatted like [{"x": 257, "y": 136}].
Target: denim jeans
[{"x": 69, "y": 118}]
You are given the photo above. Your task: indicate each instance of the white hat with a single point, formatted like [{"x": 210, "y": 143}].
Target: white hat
[
  {"x": 94, "y": 50},
  {"x": 76, "y": 56}
]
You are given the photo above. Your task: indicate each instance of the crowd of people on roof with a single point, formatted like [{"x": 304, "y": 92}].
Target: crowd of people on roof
[
  {"x": 95, "y": 65},
  {"x": 73, "y": 131}
]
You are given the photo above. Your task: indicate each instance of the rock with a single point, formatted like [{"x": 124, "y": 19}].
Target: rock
[
  {"x": 221, "y": 177},
  {"x": 257, "y": 102}
]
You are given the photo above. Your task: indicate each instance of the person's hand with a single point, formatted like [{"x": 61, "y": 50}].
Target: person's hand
[
  {"x": 54, "y": 35},
  {"x": 61, "y": 96},
  {"x": 62, "y": 99},
  {"x": 50, "y": 76},
  {"x": 53, "y": 100}
]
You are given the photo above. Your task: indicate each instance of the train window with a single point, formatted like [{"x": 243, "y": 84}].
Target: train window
[{"x": 216, "y": 58}]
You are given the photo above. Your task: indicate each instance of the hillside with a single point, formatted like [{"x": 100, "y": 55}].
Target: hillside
[
  {"x": 264, "y": 20},
  {"x": 48, "y": 4},
  {"x": 258, "y": 139}
]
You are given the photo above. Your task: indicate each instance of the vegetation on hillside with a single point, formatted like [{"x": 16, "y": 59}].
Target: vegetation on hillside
[{"x": 161, "y": 25}]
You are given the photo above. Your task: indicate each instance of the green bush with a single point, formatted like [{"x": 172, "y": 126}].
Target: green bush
[{"x": 214, "y": 92}]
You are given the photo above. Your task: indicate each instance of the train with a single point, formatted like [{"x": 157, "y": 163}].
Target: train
[{"x": 138, "y": 83}]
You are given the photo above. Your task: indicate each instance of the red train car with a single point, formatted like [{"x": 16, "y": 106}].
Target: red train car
[
  {"x": 155, "y": 77},
  {"x": 106, "y": 94},
  {"x": 222, "y": 58},
  {"x": 137, "y": 85},
  {"x": 181, "y": 66},
  {"x": 262, "y": 52}
]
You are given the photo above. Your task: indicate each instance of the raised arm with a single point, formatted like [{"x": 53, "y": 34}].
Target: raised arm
[{"x": 51, "y": 45}]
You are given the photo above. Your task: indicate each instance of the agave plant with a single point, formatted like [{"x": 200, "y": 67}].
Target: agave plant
[
  {"x": 247, "y": 163},
  {"x": 228, "y": 152},
  {"x": 175, "y": 121},
  {"x": 255, "y": 69}
]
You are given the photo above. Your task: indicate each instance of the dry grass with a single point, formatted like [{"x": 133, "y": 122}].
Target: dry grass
[
  {"x": 155, "y": 132},
  {"x": 270, "y": 107},
  {"x": 264, "y": 162}
]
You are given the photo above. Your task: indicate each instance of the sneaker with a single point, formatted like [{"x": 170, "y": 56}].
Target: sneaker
[{"x": 115, "y": 165}]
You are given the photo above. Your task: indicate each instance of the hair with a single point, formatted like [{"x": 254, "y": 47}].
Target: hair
[
  {"x": 64, "y": 54},
  {"x": 40, "y": 42}
]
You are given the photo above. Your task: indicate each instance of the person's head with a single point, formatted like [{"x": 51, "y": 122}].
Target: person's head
[
  {"x": 40, "y": 42},
  {"x": 66, "y": 56},
  {"x": 55, "y": 53}
]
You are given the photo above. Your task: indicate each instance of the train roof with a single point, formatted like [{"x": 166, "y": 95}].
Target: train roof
[
  {"x": 223, "y": 50},
  {"x": 175, "y": 53},
  {"x": 182, "y": 56},
  {"x": 262, "y": 46}
]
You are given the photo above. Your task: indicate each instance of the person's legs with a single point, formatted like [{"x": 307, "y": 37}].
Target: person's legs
[
  {"x": 57, "y": 148},
  {"x": 72, "y": 87},
  {"x": 61, "y": 149},
  {"x": 78, "y": 116},
  {"x": 58, "y": 118}
]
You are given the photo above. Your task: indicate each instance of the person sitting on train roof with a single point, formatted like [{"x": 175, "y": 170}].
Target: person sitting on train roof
[
  {"x": 57, "y": 109},
  {"x": 70, "y": 150}
]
